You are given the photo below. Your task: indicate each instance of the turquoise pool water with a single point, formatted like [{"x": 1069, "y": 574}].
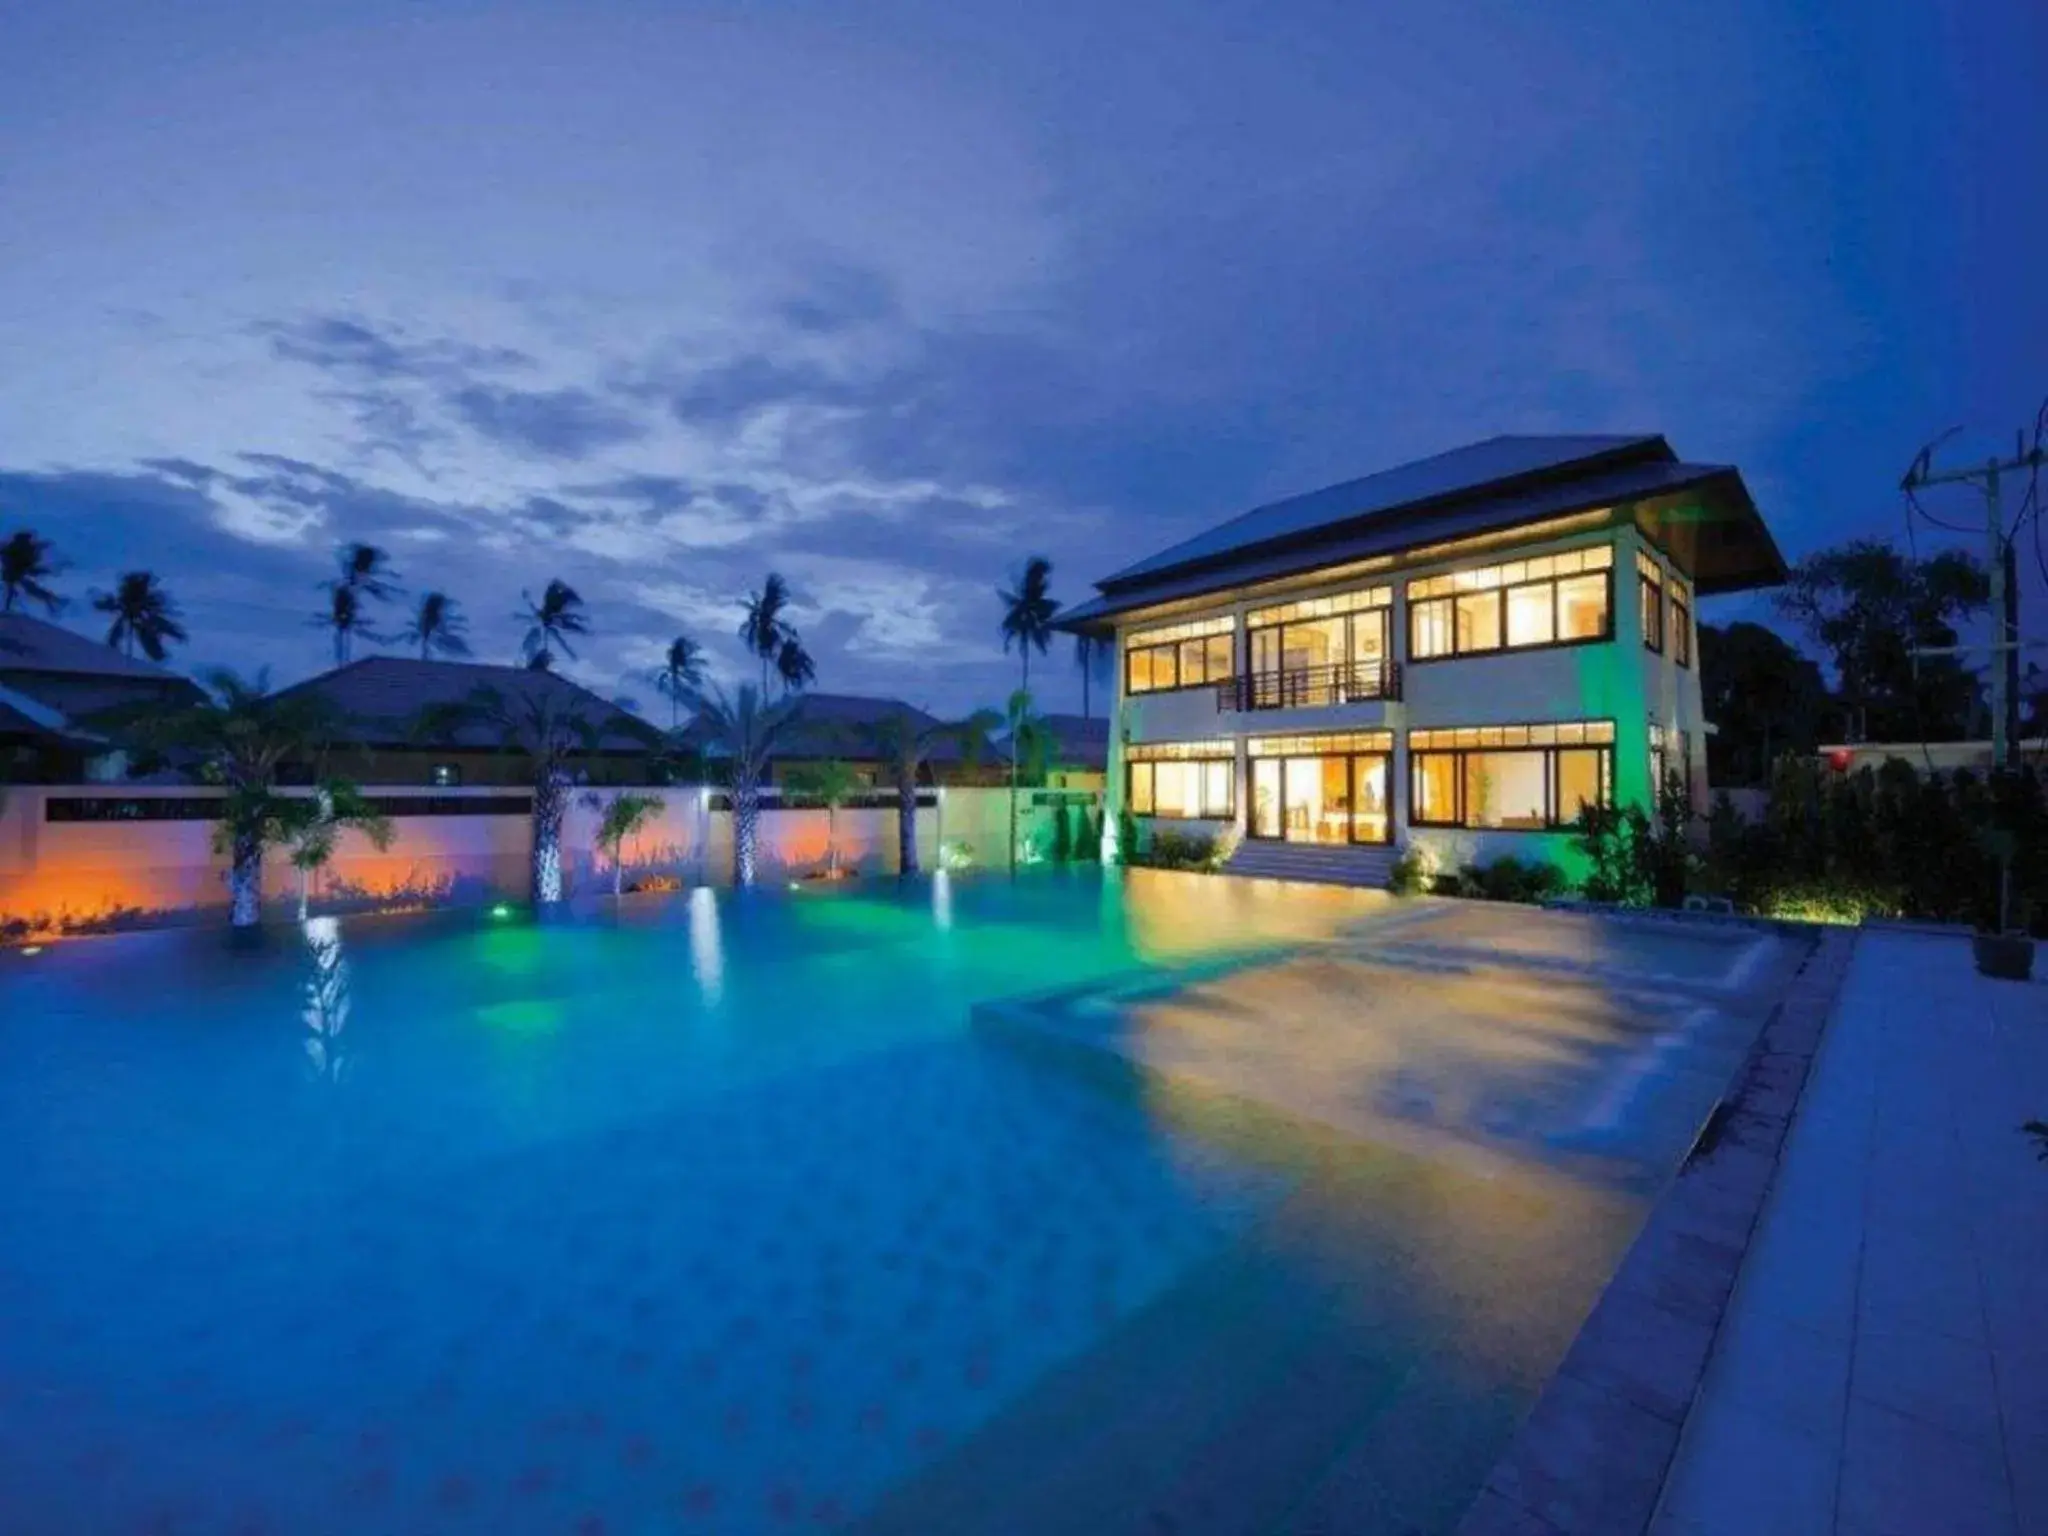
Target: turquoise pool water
[{"x": 715, "y": 1215}]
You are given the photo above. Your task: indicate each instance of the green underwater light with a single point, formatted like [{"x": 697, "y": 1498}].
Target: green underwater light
[{"x": 501, "y": 910}]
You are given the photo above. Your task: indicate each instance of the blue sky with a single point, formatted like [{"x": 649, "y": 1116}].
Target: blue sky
[{"x": 658, "y": 297}]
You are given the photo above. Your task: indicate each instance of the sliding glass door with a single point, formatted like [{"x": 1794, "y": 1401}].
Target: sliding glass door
[{"x": 1301, "y": 794}]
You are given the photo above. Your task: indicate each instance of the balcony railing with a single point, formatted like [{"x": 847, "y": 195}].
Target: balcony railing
[{"x": 1346, "y": 682}]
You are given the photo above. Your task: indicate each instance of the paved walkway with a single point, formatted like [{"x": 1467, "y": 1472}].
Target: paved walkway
[{"x": 1883, "y": 1366}]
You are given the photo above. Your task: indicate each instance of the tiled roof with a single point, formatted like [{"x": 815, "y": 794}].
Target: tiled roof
[
  {"x": 1080, "y": 741},
  {"x": 36, "y": 645},
  {"x": 384, "y": 696},
  {"x": 844, "y": 725}
]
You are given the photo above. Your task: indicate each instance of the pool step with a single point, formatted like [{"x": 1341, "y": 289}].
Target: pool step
[{"x": 1361, "y": 866}]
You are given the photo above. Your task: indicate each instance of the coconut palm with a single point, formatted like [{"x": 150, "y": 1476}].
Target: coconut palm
[
  {"x": 313, "y": 825},
  {"x": 238, "y": 734},
  {"x": 905, "y": 742},
  {"x": 1028, "y": 610},
  {"x": 745, "y": 729},
  {"x": 764, "y": 629},
  {"x": 549, "y": 623},
  {"x": 367, "y": 569},
  {"x": 551, "y": 723},
  {"x": 680, "y": 677},
  {"x": 622, "y": 816},
  {"x": 142, "y": 613},
  {"x": 345, "y": 616},
  {"x": 26, "y": 566},
  {"x": 794, "y": 666},
  {"x": 437, "y": 626},
  {"x": 1091, "y": 656},
  {"x": 831, "y": 783}
]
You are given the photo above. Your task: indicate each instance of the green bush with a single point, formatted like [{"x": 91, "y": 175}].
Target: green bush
[
  {"x": 1635, "y": 859},
  {"x": 1178, "y": 850},
  {"x": 1512, "y": 879},
  {"x": 1415, "y": 872},
  {"x": 1062, "y": 836},
  {"x": 1888, "y": 841}
]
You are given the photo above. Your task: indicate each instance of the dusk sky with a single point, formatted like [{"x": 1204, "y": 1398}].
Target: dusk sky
[{"x": 658, "y": 297}]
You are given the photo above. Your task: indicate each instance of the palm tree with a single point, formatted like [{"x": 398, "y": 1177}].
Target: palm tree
[
  {"x": 794, "y": 666},
  {"x": 831, "y": 783},
  {"x": 680, "y": 677},
  {"x": 622, "y": 817},
  {"x": 314, "y": 826},
  {"x": 346, "y": 618},
  {"x": 1031, "y": 751},
  {"x": 26, "y": 565},
  {"x": 1091, "y": 655},
  {"x": 1028, "y": 610},
  {"x": 143, "y": 614},
  {"x": 764, "y": 629},
  {"x": 367, "y": 568},
  {"x": 437, "y": 625},
  {"x": 905, "y": 743},
  {"x": 238, "y": 734},
  {"x": 549, "y": 623},
  {"x": 551, "y": 723},
  {"x": 747, "y": 729}
]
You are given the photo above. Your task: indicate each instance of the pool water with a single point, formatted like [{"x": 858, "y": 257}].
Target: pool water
[{"x": 715, "y": 1214}]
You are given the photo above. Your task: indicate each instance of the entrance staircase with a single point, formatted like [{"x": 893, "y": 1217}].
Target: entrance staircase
[{"x": 1366, "y": 865}]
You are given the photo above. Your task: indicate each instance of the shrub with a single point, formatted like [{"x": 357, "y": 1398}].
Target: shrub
[
  {"x": 1512, "y": 879},
  {"x": 1415, "y": 872},
  {"x": 956, "y": 853},
  {"x": 1178, "y": 850},
  {"x": 1062, "y": 836}
]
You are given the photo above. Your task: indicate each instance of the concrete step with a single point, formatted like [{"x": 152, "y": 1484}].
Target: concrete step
[{"x": 1366, "y": 866}]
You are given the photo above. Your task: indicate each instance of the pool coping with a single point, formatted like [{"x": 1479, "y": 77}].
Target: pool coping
[{"x": 1592, "y": 1456}]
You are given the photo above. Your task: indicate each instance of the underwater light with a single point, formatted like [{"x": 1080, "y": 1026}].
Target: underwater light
[
  {"x": 31, "y": 949},
  {"x": 501, "y": 910}
]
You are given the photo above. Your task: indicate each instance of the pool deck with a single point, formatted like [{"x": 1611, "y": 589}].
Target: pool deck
[{"x": 1883, "y": 1367}]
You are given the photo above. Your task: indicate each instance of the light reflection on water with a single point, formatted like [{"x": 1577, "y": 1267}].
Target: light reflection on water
[{"x": 690, "y": 1219}]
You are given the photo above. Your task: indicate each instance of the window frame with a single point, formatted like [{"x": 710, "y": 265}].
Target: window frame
[
  {"x": 1268, "y": 689},
  {"x": 1554, "y": 820},
  {"x": 1681, "y": 630},
  {"x": 1200, "y": 766},
  {"x": 1450, "y": 600},
  {"x": 1171, "y": 649}
]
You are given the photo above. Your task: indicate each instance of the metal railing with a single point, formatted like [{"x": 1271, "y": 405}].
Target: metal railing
[{"x": 1346, "y": 682}]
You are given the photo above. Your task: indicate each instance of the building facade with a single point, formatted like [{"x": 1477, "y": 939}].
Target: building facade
[{"x": 1454, "y": 654}]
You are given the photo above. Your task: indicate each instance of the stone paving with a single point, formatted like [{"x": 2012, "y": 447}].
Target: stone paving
[{"x": 1882, "y": 1368}]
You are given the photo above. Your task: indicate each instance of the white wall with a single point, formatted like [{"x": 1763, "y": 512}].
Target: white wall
[{"x": 86, "y": 873}]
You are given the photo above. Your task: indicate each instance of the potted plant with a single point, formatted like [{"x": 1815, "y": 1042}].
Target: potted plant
[{"x": 2006, "y": 952}]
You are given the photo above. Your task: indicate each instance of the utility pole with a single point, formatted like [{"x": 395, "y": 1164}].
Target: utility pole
[{"x": 2005, "y": 640}]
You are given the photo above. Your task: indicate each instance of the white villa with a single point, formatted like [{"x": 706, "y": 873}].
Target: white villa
[{"x": 1454, "y": 653}]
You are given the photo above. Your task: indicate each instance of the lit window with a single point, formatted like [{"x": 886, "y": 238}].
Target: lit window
[
  {"x": 1478, "y": 626},
  {"x": 1141, "y": 788},
  {"x": 1531, "y": 616},
  {"x": 1681, "y": 631},
  {"x": 1509, "y": 778},
  {"x": 1519, "y": 604},
  {"x": 1179, "y": 656},
  {"x": 1582, "y": 608}
]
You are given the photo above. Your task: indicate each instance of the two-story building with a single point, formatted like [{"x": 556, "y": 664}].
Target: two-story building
[{"x": 1455, "y": 653}]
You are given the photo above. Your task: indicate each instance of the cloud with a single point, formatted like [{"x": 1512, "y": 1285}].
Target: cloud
[
  {"x": 348, "y": 345},
  {"x": 557, "y": 423}
]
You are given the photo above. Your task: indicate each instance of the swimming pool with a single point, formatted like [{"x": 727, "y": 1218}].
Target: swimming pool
[{"x": 715, "y": 1214}]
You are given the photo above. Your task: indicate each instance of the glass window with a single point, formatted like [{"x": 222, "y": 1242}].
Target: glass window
[
  {"x": 1435, "y": 788},
  {"x": 1266, "y": 797},
  {"x": 1653, "y": 613},
  {"x": 1681, "y": 631},
  {"x": 1218, "y": 780},
  {"x": 1176, "y": 792},
  {"x": 1221, "y": 662},
  {"x": 1429, "y": 628},
  {"x": 1369, "y": 636},
  {"x": 1192, "y": 668},
  {"x": 1141, "y": 788},
  {"x": 1578, "y": 781},
  {"x": 1478, "y": 627},
  {"x": 1505, "y": 789},
  {"x": 1582, "y": 607},
  {"x": 1531, "y": 615}
]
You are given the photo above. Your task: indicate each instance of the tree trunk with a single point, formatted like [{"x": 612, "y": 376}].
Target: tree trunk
[
  {"x": 550, "y": 802},
  {"x": 832, "y": 839},
  {"x": 305, "y": 881},
  {"x": 746, "y": 814},
  {"x": 619, "y": 867},
  {"x": 245, "y": 880},
  {"x": 906, "y": 824}
]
